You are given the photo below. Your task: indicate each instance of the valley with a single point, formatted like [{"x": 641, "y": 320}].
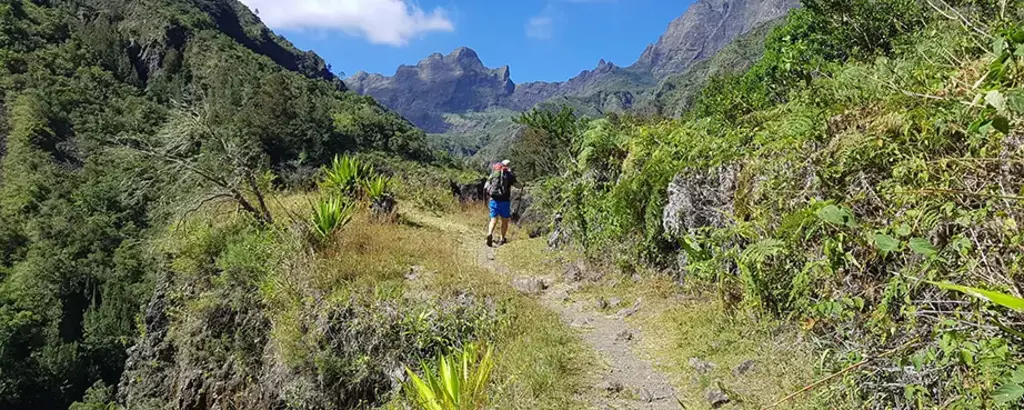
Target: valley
[
  {"x": 779, "y": 205},
  {"x": 443, "y": 93}
]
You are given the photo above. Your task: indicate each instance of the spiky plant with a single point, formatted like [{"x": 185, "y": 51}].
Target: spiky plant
[
  {"x": 381, "y": 195},
  {"x": 458, "y": 383},
  {"x": 329, "y": 215},
  {"x": 345, "y": 175}
]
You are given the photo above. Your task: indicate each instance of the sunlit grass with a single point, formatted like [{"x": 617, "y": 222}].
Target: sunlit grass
[
  {"x": 538, "y": 361},
  {"x": 675, "y": 326}
]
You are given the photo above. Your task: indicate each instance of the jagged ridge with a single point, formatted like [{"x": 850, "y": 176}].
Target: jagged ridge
[{"x": 459, "y": 83}]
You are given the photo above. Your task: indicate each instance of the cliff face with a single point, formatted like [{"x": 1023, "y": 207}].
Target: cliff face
[
  {"x": 435, "y": 89},
  {"x": 706, "y": 27},
  {"x": 457, "y": 82}
]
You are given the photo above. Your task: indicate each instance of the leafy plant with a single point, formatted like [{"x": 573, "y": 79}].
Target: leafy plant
[
  {"x": 459, "y": 382},
  {"x": 329, "y": 215},
  {"x": 382, "y": 199},
  {"x": 378, "y": 188},
  {"x": 837, "y": 216},
  {"x": 999, "y": 298},
  {"x": 345, "y": 175}
]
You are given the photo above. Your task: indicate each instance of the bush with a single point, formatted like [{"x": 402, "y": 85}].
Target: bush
[
  {"x": 345, "y": 176},
  {"x": 330, "y": 215},
  {"x": 459, "y": 381}
]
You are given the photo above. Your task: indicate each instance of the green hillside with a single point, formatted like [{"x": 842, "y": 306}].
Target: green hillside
[
  {"x": 676, "y": 93},
  {"x": 872, "y": 152},
  {"x": 117, "y": 118}
]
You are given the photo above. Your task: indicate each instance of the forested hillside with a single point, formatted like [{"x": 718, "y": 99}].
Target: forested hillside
[
  {"x": 862, "y": 179},
  {"x": 119, "y": 117},
  {"x": 196, "y": 215}
]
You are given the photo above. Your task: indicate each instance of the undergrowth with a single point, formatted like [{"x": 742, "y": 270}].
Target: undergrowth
[
  {"x": 874, "y": 146},
  {"x": 334, "y": 323}
]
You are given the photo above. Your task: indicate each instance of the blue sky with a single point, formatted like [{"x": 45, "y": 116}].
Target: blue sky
[{"x": 547, "y": 40}]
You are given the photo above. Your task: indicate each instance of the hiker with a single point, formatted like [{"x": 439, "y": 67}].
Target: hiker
[{"x": 499, "y": 188}]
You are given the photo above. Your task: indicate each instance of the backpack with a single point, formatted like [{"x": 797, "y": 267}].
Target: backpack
[{"x": 497, "y": 185}]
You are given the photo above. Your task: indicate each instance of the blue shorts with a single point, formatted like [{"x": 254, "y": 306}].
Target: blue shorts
[{"x": 501, "y": 208}]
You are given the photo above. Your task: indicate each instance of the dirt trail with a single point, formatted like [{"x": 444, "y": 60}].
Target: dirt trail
[{"x": 625, "y": 379}]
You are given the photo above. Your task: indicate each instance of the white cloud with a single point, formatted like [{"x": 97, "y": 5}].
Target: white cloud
[
  {"x": 540, "y": 27},
  {"x": 392, "y": 22}
]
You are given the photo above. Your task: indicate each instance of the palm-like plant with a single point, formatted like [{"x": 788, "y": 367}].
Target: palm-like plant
[
  {"x": 378, "y": 187},
  {"x": 380, "y": 193},
  {"x": 329, "y": 215},
  {"x": 460, "y": 382},
  {"x": 345, "y": 175}
]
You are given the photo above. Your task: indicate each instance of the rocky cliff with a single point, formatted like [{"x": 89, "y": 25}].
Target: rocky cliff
[
  {"x": 440, "y": 87},
  {"x": 457, "y": 82},
  {"x": 706, "y": 27}
]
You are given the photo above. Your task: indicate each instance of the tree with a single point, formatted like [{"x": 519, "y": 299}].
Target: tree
[
  {"x": 549, "y": 143},
  {"x": 227, "y": 166}
]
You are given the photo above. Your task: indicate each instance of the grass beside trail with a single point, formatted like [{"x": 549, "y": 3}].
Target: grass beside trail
[
  {"x": 676, "y": 325},
  {"x": 541, "y": 363}
]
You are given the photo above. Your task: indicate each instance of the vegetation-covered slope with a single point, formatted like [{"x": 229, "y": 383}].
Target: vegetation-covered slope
[
  {"x": 676, "y": 93},
  {"x": 874, "y": 148},
  {"x": 117, "y": 116}
]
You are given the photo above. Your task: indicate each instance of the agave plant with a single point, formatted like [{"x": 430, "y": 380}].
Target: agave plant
[
  {"x": 381, "y": 196},
  {"x": 378, "y": 187},
  {"x": 459, "y": 383},
  {"x": 345, "y": 175},
  {"x": 329, "y": 215}
]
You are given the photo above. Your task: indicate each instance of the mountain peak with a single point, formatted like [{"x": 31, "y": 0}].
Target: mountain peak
[
  {"x": 465, "y": 57},
  {"x": 452, "y": 83},
  {"x": 706, "y": 27}
]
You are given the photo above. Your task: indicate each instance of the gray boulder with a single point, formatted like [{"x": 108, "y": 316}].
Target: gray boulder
[{"x": 699, "y": 199}]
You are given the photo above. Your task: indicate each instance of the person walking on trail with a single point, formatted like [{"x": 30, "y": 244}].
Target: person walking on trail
[{"x": 499, "y": 188}]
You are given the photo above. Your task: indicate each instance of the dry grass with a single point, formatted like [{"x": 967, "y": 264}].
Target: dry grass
[
  {"x": 532, "y": 256},
  {"x": 540, "y": 362},
  {"x": 676, "y": 325},
  {"x": 783, "y": 362}
]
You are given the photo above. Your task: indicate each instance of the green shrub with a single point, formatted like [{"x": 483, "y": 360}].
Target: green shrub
[
  {"x": 345, "y": 176},
  {"x": 459, "y": 381},
  {"x": 381, "y": 195},
  {"x": 378, "y": 188},
  {"x": 329, "y": 215}
]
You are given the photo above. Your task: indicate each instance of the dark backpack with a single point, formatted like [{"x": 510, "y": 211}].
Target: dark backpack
[{"x": 498, "y": 184}]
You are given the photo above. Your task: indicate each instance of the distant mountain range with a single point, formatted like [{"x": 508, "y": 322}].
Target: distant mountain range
[{"x": 458, "y": 96}]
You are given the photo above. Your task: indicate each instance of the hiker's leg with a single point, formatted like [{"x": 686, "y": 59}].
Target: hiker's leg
[
  {"x": 490, "y": 227},
  {"x": 505, "y": 213}
]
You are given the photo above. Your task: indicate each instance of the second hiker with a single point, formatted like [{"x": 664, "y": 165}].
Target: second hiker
[{"x": 499, "y": 188}]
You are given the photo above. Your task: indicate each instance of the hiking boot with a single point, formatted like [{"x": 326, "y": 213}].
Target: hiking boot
[
  {"x": 490, "y": 241},
  {"x": 503, "y": 241}
]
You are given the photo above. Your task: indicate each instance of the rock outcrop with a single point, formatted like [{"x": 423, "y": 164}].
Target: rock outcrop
[
  {"x": 457, "y": 82},
  {"x": 700, "y": 199},
  {"x": 706, "y": 27}
]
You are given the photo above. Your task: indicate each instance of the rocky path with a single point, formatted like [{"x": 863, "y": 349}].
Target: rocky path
[{"x": 627, "y": 381}]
